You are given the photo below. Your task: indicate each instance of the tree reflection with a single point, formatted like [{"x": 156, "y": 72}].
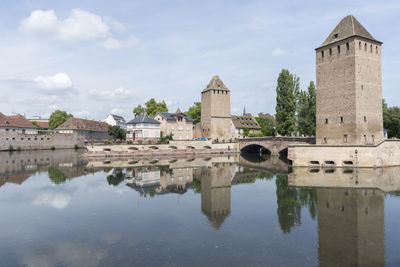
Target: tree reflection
[
  {"x": 56, "y": 176},
  {"x": 116, "y": 178},
  {"x": 290, "y": 201}
]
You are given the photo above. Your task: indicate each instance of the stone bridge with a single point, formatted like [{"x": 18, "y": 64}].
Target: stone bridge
[{"x": 276, "y": 145}]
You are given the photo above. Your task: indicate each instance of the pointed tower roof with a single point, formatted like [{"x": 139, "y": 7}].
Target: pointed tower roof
[
  {"x": 178, "y": 110},
  {"x": 348, "y": 27},
  {"x": 216, "y": 84}
]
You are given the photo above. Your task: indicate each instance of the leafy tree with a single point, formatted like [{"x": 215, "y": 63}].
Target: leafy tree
[
  {"x": 307, "y": 111},
  {"x": 57, "y": 118},
  {"x": 139, "y": 110},
  {"x": 391, "y": 120},
  {"x": 152, "y": 107},
  {"x": 117, "y": 132},
  {"x": 246, "y": 131},
  {"x": 194, "y": 112},
  {"x": 57, "y": 176},
  {"x": 37, "y": 125},
  {"x": 286, "y": 99},
  {"x": 267, "y": 125}
]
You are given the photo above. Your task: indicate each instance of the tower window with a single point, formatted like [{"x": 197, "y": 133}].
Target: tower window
[
  {"x": 370, "y": 48},
  {"x": 362, "y": 87},
  {"x": 365, "y": 139},
  {"x": 345, "y": 138},
  {"x": 347, "y": 46},
  {"x": 322, "y": 54},
  {"x": 373, "y": 138},
  {"x": 338, "y": 49},
  {"x": 325, "y": 141},
  {"x": 359, "y": 45},
  {"x": 365, "y": 118},
  {"x": 376, "y": 49},
  {"x": 341, "y": 119},
  {"x": 330, "y": 51},
  {"x": 365, "y": 47},
  {"x": 335, "y": 35},
  {"x": 326, "y": 121}
]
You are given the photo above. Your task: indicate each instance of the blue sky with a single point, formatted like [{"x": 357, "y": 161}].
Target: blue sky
[{"x": 95, "y": 57}]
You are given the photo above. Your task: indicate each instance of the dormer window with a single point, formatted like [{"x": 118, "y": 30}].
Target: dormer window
[{"x": 335, "y": 35}]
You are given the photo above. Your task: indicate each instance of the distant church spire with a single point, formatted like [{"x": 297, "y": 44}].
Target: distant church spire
[{"x": 244, "y": 111}]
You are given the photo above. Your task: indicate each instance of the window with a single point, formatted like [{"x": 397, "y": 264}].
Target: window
[
  {"x": 359, "y": 45},
  {"x": 345, "y": 138},
  {"x": 322, "y": 54},
  {"x": 172, "y": 127},
  {"x": 376, "y": 49},
  {"x": 7, "y": 129},
  {"x": 338, "y": 49},
  {"x": 335, "y": 35},
  {"x": 365, "y": 118},
  {"x": 373, "y": 138},
  {"x": 347, "y": 46},
  {"x": 365, "y": 47},
  {"x": 330, "y": 51},
  {"x": 370, "y": 49},
  {"x": 325, "y": 141},
  {"x": 362, "y": 87},
  {"x": 341, "y": 119},
  {"x": 365, "y": 139},
  {"x": 326, "y": 121},
  {"x": 180, "y": 128}
]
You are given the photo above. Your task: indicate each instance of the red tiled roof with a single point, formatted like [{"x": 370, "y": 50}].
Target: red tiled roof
[
  {"x": 43, "y": 124},
  {"x": 15, "y": 121},
  {"x": 84, "y": 125}
]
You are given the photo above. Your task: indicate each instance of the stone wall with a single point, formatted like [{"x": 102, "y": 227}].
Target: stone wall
[
  {"x": 38, "y": 141},
  {"x": 386, "y": 153}
]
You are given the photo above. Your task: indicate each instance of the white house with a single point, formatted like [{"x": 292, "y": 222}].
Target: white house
[
  {"x": 143, "y": 127},
  {"x": 114, "y": 120}
]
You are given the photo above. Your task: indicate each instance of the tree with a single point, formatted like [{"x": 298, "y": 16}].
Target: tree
[
  {"x": 286, "y": 98},
  {"x": 307, "y": 111},
  {"x": 194, "y": 112},
  {"x": 267, "y": 124},
  {"x": 152, "y": 107},
  {"x": 246, "y": 131},
  {"x": 117, "y": 132},
  {"x": 57, "y": 176},
  {"x": 37, "y": 125},
  {"x": 57, "y": 118},
  {"x": 391, "y": 120}
]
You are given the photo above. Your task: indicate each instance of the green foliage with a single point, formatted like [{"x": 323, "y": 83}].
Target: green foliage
[
  {"x": 57, "y": 118},
  {"x": 116, "y": 132},
  {"x": 267, "y": 125},
  {"x": 18, "y": 148},
  {"x": 10, "y": 148},
  {"x": 286, "y": 98},
  {"x": 166, "y": 138},
  {"x": 152, "y": 107},
  {"x": 307, "y": 111},
  {"x": 37, "y": 125},
  {"x": 196, "y": 186},
  {"x": 117, "y": 178},
  {"x": 57, "y": 176},
  {"x": 246, "y": 131},
  {"x": 52, "y": 148},
  {"x": 194, "y": 112},
  {"x": 256, "y": 134},
  {"x": 391, "y": 120},
  {"x": 76, "y": 146}
]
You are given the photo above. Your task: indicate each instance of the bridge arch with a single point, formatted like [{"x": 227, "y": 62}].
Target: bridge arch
[{"x": 255, "y": 148}]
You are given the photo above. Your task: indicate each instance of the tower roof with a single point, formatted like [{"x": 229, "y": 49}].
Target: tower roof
[
  {"x": 349, "y": 26},
  {"x": 216, "y": 84}
]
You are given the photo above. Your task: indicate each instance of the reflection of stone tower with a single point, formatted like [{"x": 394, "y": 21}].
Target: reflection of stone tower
[
  {"x": 349, "y": 86},
  {"x": 351, "y": 227},
  {"x": 216, "y": 110},
  {"x": 216, "y": 193}
]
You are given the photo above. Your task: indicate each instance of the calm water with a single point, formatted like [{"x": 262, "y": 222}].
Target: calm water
[{"x": 58, "y": 210}]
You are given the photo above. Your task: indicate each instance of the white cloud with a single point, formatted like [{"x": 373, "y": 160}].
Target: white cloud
[
  {"x": 117, "y": 111},
  {"x": 107, "y": 95},
  {"x": 54, "y": 106},
  {"x": 79, "y": 26},
  {"x": 58, "y": 200},
  {"x": 59, "y": 81},
  {"x": 278, "y": 52},
  {"x": 82, "y": 113},
  {"x": 114, "y": 44}
]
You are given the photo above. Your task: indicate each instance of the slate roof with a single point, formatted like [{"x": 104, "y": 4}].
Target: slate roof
[
  {"x": 241, "y": 122},
  {"x": 173, "y": 116},
  {"x": 349, "y": 26},
  {"x": 216, "y": 84},
  {"x": 84, "y": 125},
  {"x": 144, "y": 118},
  {"x": 117, "y": 117},
  {"x": 15, "y": 121}
]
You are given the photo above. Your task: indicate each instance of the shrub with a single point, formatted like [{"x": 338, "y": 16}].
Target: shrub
[
  {"x": 53, "y": 148},
  {"x": 10, "y": 148},
  {"x": 18, "y": 148},
  {"x": 76, "y": 146}
]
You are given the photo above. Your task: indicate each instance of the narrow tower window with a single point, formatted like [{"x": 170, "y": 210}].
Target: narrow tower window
[
  {"x": 345, "y": 138},
  {"x": 326, "y": 121},
  {"x": 365, "y": 139},
  {"x": 330, "y": 51},
  {"x": 338, "y": 49},
  {"x": 359, "y": 45},
  {"x": 347, "y": 46},
  {"x": 370, "y": 48},
  {"x": 373, "y": 138},
  {"x": 325, "y": 141},
  {"x": 365, "y": 118},
  {"x": 322, "y": 54},
  {"x": 341, "y": 119},
  {"x": 365, "y": 47}
]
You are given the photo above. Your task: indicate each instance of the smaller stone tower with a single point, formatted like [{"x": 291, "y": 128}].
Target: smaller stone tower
[{"x": 216, "y": 110}]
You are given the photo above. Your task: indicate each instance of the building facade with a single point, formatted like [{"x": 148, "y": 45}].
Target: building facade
[
  {"x": 349, "y": 86},
  {"x": 178, "y": 124},
  {"x": 143, "y": 127},
  {"x": 116, "y": 120},
  {"x": 216, "y": 110},
  {"x": 16, "y": 124},
  {"x": 240, "y": 124},
  {"x": 89, "y": 130}
]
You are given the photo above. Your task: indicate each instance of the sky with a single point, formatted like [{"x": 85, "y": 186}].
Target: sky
[{"x": 96, "y": 57}]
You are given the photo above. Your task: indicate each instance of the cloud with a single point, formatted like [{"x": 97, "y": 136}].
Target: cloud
[
  {"x": 54, "y": 106},
  {"x": 58, "y": 200},
  {"x": 117, "y": 111},
  {"x": 82, "y": 113},
  {"x": 278, "y": 52},
  {"x": 107, "y": 95},
  {"x": 114, "y": 44},
  {"x": 79, "y": 26},
  {"x": 59, "y": 81}
]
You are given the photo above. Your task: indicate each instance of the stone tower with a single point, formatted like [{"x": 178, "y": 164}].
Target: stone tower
[
  {"x": 216, "y": 110},
  {"x": 349, "y": 86}
]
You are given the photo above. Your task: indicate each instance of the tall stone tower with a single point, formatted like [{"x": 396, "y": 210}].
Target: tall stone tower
[
  {"x": 216, "y": 110},
  {"x": 349, "y": 86}
]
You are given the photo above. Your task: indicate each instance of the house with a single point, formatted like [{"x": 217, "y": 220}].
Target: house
[
  {"x": 116, "y": 120},
  {"x": 17, "y": 124},
  {"x": 178, "y": 124},
  {"x": 240, "y": 123},
  {"x": 143, "y": 127},
  {"x": 43, "y": 123},
  {"x": 86, "y": 129}
]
